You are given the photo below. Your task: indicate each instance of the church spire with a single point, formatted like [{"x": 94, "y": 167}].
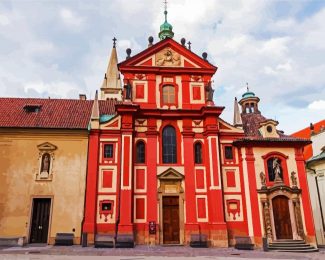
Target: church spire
[
  {"x": 237, "y": 117},
  {"x": 166, "y": 29},
  {"x": 94, "y": 118},
  {"x": 111, "y": 86},
  {"x": 95, "y": 108}
]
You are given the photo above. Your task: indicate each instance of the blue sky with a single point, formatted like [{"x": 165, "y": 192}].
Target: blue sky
[{"x": 61, "y": 48}]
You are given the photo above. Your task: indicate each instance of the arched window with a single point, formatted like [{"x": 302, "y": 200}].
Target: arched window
[
  {"x": 247, "y": 108},
  {"x": 274, "y": 168},
  {"x": 198, "y": 152},
  {"x": 140, "y": 153},
  {"x": 168, "y": 92},
  {"x": 169, "y": 145},
  {"x": 252, "y": 108}
]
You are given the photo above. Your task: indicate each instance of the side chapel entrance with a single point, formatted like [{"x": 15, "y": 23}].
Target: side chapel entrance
[
  {"x": 281, "y": 213},
  {"x": 40, "y": 220},
  {"x": 171, "y": 207}
]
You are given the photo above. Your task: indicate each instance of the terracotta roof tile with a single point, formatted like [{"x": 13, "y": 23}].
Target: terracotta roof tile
[
  {"x": 107, "y": 107},
  {"x": 306, "y": 133},
  {"x": 53, "y": 113}
]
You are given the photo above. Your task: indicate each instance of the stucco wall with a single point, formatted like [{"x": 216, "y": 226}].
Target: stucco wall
[
  {"x": 319, "y": 167},
  {"x": 259, "y": 162},
  {"x": 315, "y": 203},
  {"x": 318, "y": 142},
  {"x": 19, "y": 164}
]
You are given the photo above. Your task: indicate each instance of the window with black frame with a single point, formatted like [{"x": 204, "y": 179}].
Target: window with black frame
[
  {"x": 169, "y": 145},
  {"x": 108, "y": 151},
  {"x": 198, "y": 152},
  {"x": 229, "y": 153},
  {"x": 140, "y": 155}
]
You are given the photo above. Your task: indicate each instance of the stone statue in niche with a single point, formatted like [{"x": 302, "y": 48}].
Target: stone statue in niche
[
  {"x": 168, "y": 57},
  {"x": 209, "y": 91},
  {"x": 45, "y": 165},
  {"x": 128, "y": 89},
  {"x": 277, "y": 171},
  {"x": 263, "y": 180},
  {"x": 293, "y": 180}
]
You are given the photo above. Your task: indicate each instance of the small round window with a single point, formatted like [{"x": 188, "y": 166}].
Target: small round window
[{"x": 269, "y": 128}]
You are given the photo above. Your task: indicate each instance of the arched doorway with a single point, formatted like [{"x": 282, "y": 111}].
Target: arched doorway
[{"x": 281, "y": 215}]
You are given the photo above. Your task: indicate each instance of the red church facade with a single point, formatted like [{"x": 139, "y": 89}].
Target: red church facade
[
  {"x": 165, "y": 154},
  {"x": 164, "y": 168}
]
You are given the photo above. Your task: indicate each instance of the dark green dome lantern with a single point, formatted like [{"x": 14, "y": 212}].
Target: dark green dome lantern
[{"x": 166, "y": 29}]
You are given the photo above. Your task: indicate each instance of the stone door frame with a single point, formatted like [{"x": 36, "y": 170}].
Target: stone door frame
[
  {"x": 293, "y": 195},
  {"x": 171, "y": 183}
]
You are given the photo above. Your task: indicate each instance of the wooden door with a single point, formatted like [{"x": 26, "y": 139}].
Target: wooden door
[
  {"x": 281, "y": 216},
  {"x": 40, "y": 220},
  {"x": 171, "y": 220}
]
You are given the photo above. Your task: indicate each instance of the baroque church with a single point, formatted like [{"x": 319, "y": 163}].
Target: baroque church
[{"x": 151, "y": 161}]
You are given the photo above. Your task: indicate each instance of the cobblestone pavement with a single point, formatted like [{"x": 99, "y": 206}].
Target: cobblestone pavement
[{"x": 146, "y": 252}]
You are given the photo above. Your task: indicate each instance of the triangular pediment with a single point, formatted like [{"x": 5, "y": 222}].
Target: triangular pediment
[
  {"x": 167, "y": 53},
  {"x": 111, "y": 122},
  {"x": 226, "y": 127},
  {"x": 47, "y": 147},
  {"x": 170, "y": 174}
]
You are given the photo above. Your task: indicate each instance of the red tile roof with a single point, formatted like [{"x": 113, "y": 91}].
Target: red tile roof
[
  {"x": 107, "y": 107},
  {"x": 53, "y": 113},
  {"x": 306, "y": 133}
]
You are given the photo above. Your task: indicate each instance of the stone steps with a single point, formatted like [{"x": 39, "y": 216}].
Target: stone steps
[
  {"x": 104, "y": 241},
  {"x": 285, "y": 245}
]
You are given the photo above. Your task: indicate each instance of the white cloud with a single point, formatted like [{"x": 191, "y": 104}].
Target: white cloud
[
  {"x": 280, "y": 57},
  {"x": 71, "y": 19},
  {"x": 284, "y": 66},
  {"x": 269, "y": 71},
  {"x": 4, "y": 20},
  {"x": 56, "y": 88},
  {"x": 275, "y": 46},
  {"x": 317, "y": 105}
]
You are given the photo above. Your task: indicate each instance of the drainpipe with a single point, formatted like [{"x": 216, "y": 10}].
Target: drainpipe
[
  {"x": 82, "y": 242},
  {"x": 318, "y": 196}
]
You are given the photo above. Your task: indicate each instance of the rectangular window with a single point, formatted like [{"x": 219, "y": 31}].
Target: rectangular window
[
  {"x": 108, "y": 151},
  {"x": 229, "y": 153},
  {"x": 168, "y": 94}
]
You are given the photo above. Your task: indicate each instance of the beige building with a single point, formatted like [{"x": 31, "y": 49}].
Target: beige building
[
  {"x": 316, "y": 180},
  {"x": 43, "y": 159}
]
